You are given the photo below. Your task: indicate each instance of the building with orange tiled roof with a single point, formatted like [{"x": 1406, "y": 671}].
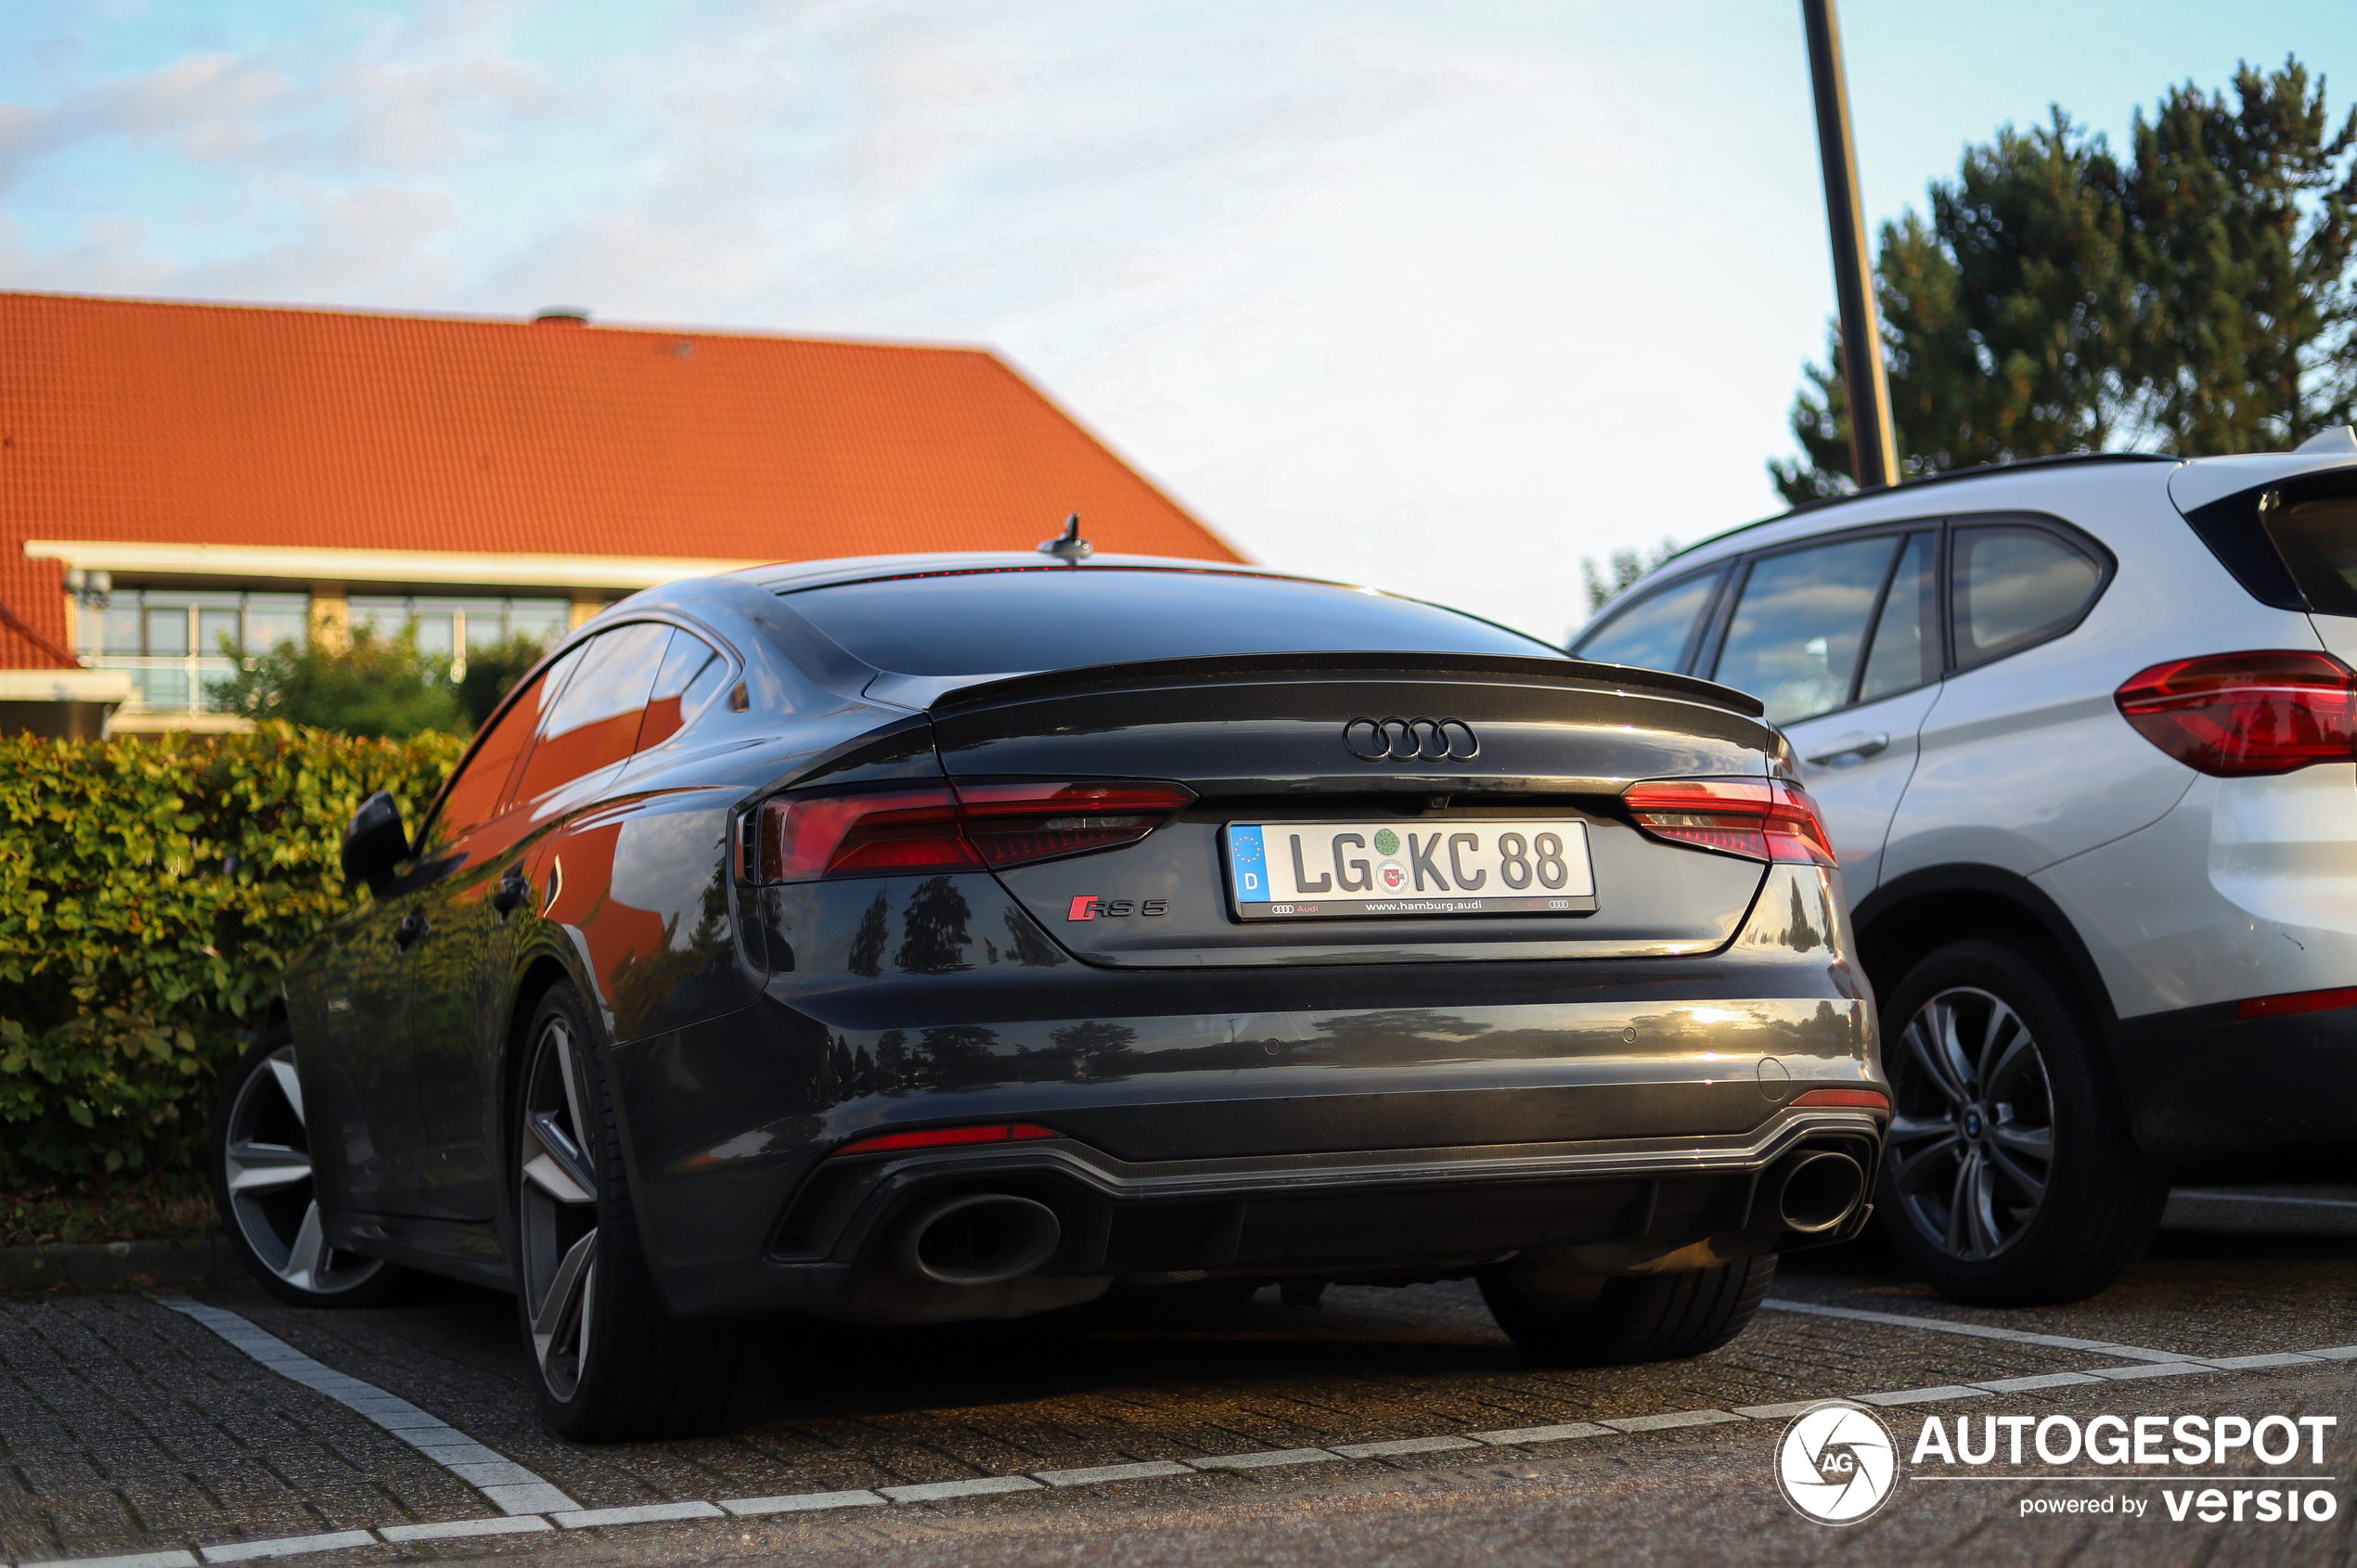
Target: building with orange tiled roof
[{"x": 172, "y": 475}]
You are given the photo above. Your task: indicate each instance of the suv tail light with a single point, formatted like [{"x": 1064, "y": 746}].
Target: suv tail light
[
  {"x": 1757, "y": 818},
  {"x": 2241, "y": 716},
  {"x": 949, "y": 826}
]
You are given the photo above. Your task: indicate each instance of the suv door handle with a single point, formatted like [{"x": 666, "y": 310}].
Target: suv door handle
[
  {"x": 1852, "y": 750},
  {"x": 414, "y": 928},
  {"x": 513, "y": 892}
]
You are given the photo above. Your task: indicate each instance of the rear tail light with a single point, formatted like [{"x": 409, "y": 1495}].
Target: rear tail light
[
  {"x": 1012, "y": 823},
  {"x": 949, "y": 1138},
  {"x": 1757, "y": 818},
  {"x": 839, "y": 835},
  {"x": 800, "y": 837},
  {"x": 2241, "y": 716}
]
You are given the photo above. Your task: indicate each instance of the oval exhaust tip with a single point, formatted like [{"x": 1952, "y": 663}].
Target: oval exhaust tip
[
  {"x": 1819, "y": 1191},
  {"x": 977, "y": 1238}
]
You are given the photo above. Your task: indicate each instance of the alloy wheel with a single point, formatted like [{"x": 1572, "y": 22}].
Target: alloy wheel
[
  {"x": 556, "y": 1212},
  {"x": 266, "y": 1161},
  {"x": 1972, "y": 1136}
]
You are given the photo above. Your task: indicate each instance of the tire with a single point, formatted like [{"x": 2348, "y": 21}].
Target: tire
[
  {"x": 2011, "y": 1179},
  {"x": 261, "y": 1160},
  {"x": 1586, "y": 1320},
  {"x": 610, "y": 1364}
]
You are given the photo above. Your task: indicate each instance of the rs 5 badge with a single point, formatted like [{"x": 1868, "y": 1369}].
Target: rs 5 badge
[{"x": 1089, "y": 905}]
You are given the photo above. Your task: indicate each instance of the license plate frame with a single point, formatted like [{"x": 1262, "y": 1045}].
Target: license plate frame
[{"x": 1430, "y": 871}]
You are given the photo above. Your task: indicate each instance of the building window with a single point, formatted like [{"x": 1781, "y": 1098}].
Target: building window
[
  {"x": 171, "y": 641},
  {"x": 448, "y": 627}
]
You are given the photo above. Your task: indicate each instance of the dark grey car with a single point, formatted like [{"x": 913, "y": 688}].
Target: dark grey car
[{"x": 921, "y": 939}]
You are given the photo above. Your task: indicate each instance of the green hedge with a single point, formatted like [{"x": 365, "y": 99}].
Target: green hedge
[{"x": 151, "y": 890}]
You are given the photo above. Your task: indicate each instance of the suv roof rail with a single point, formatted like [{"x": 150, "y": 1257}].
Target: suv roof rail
[{"x": 1981, "y": 471}]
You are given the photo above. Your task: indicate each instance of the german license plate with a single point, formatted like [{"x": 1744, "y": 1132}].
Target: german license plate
[{"x": 1353, "y": 870}]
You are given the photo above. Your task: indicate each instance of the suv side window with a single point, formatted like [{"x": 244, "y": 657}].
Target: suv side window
[
  {"x": 1905, "y": 653},
  {"x": 1800, "y": 624},
  {"x": 2013, "y": 584},
  {"x": 594, "y": 722},
  {"x": 1653, "y": 632}
]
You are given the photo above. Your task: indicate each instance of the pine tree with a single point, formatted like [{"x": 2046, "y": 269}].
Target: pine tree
[{"x": 2197, "y": 299}]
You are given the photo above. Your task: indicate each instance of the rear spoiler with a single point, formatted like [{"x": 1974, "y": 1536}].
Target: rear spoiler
[{"x": 1576, "y": 673}]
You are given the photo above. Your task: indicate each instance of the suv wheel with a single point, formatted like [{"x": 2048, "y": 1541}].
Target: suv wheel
[
  {"x": 2010, "y": 1178},
  {"x": 610, "y": 1364},
  {"x": 1588, "y": 1320},
  {"x": 261, "y": 1184}
]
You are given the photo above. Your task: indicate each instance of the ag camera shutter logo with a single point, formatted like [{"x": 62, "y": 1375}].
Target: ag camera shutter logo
[{"x": 1836, "y": 1462}]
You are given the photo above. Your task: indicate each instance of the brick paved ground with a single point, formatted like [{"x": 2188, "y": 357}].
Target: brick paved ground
[{"x": 124, "y": 1427}]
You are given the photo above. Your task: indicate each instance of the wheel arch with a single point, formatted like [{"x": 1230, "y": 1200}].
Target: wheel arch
[{"x": 1908, "y": 917}]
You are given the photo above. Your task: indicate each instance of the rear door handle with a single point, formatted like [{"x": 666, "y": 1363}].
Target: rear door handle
[
  {"x": 513, "y": 892},
  {"x": 1852, "y": 750},
  {"x": 414, "y": 928}
]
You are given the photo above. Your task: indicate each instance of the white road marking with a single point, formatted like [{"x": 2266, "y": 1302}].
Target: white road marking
[
  {"x": 287, "y": 1546},
  {"x": 1098, "y": 1475},
  {"x": 1981, "y": 1331},
  {"x": 1924, "y": 1395},
  {"x": 460, "y": 1529},
  {"x": 1674, "y": 1419},
  {"x": 510, "y": 1487},
  {"x": 986, "y": 1485},
  {"x": 1556, "y": 1434},
  {"x": 1401, "y": 1445},
  {"x": 644, "y": 1513},
  {"x": 980, "y": 1486},
  {"x": 801, "y": 1502},
  {"x": 1265, "y": 1457}
]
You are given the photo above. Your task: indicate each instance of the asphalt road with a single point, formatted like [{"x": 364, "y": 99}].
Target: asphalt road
[{"x": 1401, "y": 1427}]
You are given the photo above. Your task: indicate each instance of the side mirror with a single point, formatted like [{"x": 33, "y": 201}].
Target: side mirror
[{"x": 375, "y": 843}]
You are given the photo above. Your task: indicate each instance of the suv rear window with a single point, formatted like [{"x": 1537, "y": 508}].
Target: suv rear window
[
  {"x": 1065, "y": 618},
  {"x": 2318, "y": 541},
  {"x": 2292, "y": 545}
]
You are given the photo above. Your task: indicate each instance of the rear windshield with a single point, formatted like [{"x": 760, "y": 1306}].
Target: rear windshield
[
  {"x": 2318, "y": 541},
  {"x": 1063, "y": 618}
]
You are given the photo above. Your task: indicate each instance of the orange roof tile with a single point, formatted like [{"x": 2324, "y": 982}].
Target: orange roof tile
[{"x": 130, "y": 419}]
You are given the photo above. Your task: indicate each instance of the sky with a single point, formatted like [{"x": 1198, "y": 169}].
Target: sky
[{"x": 1437, "y": 298}]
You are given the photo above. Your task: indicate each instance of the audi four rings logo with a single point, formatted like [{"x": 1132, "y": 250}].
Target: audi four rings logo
[{"x": 1408, "y": 740}]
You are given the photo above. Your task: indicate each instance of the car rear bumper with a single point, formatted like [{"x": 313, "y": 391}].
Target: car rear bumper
[
  {"x": 1634, "y": 1206},
  {"x": 1293, "y": 1168},
  {"x": 2205, "y": 1084}
]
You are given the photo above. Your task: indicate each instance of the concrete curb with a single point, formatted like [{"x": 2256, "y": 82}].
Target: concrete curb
[{"x": 108, "y": 1265}]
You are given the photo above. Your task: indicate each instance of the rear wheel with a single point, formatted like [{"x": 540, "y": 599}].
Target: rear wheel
[
  {"x": 2011, "y": 1179},
  {"x": 262, "y": 1183},
  {"x": 1588, "y": 1320},
  {"x": 611, "y": 1365}
]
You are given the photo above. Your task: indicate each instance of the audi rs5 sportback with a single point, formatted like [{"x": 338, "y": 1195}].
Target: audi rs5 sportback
[{"x": 910, "y": 940}]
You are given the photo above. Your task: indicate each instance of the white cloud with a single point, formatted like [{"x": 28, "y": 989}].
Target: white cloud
[{"x": 1376, "y": 296}]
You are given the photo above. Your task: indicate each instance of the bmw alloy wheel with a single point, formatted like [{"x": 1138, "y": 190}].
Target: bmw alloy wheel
[
  {"x": 556, "y": 1212},
  {"x": 1972, "y": 1136},
  {"x": 266, "y": 1172}
]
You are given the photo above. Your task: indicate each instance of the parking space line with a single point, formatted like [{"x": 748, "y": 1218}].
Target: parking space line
[
  {"x": 578, "y": 1518},
  {"x": 1983, "y": 1331},
  {"x": 287, "y": 1546},
  {"x": 510, "y": 1486},
  {"x": 801, "y": 1502}
]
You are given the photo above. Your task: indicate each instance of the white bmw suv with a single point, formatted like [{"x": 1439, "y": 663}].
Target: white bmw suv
[{"x": 2085, "y": 731}]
